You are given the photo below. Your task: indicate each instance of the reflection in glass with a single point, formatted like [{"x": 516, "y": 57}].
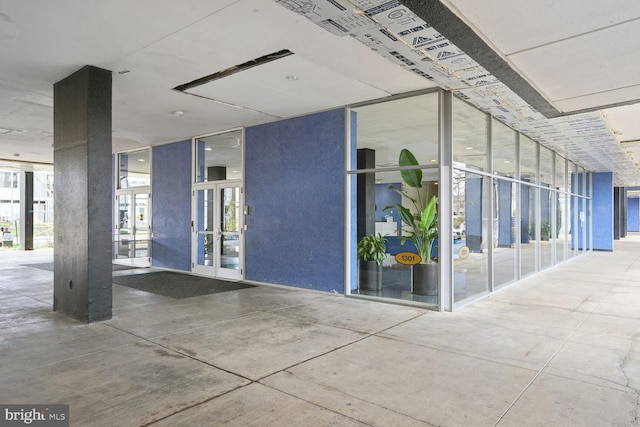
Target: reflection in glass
[
  {"x": 219, "y": 157},
  {"x": 133, "y": 234},
  {"x": 471, "y": 269},
  {"x": 504, "y": 232},
  {"x": 562, "y": 222},
  {"x": 546, "y": 228},
  {"x": 528, "y": 159},
  {"x": 528, "y": 240},
  {"x": 469, "y": 127},
  {"x": 503, "y": 140},
  {"x": 388, "y": 127},
  {"x": 134, "y": 169},
  {"x": 230, "y": 227}
]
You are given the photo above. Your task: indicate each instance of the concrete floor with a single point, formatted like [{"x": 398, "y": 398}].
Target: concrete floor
[{"x": 561, "y": 348}]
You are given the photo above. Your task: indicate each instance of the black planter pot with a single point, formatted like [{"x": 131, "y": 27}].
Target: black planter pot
[
  {"x": 425, "y": 279},
  {"x": 369, "y": 276}
]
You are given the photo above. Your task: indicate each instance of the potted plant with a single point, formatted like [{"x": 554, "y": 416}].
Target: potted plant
[
  {"x": 420, "y": 225},
  {"x": 371, "y": 253}
]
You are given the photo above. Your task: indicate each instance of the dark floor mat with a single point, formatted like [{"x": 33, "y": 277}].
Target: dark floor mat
[
  {"x": 177, "y": 285},
  {"x": 49, "y": 266}
]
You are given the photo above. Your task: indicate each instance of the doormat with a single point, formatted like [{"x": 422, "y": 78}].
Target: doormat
[
  {"x": 49, "y": 266},
  {"x": 177, "y": 285}
]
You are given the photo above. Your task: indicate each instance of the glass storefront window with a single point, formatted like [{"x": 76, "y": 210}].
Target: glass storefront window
[
  {"x": 381, "y": 132},
  {"x": 504, "y": 232},
  {"x": 528, "y": 159},
  {"x": 376, "y": 213},
  {"x": 529, "y": 204},
  {"x": 504, "y": 141},
  {"x": 219, "y": 157},
  {"x": 134, "y": 169},
  {"x": 471, "y": 270},
  {"x": 388, "y": 127},
  {"x": 528, "y": 207},
  {"x": 470, "y": 144}
]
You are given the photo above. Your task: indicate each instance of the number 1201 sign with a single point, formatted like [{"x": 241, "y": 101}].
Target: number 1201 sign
[{"x": 408, "y": 258}]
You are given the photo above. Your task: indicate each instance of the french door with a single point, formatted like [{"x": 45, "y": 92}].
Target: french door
[
  {"x": 217, "y": 244},
  {"x": 132, "y": 238}
]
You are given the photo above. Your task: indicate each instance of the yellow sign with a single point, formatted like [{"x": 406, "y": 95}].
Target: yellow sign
[
  {"x": 463, "y": 252},
  {"x": 408, "y": 258}
]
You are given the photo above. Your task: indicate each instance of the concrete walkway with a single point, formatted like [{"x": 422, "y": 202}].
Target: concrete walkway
[{"x": 558, "y": 349}]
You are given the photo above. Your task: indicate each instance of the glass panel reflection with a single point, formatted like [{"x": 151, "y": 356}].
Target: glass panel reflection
[
  {"x": 528, "y": 240},
  {"x": 504, "y": 252},
  {"x": 134, "y": 169},
  {"x": 469, "y": 136},
  {"x": 471, "y": 260},
  {"x": 219, "y": 157}
]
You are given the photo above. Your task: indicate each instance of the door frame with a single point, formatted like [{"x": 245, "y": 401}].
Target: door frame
[
  {"x": 144, "y": 261},
  {"x": 216, "y": 271}
]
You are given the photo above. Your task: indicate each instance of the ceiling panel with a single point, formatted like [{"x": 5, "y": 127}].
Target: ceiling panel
[
  {"x": 566, "y": 69},
  {"x": 595, "y": 100},
  {"x": 292, "y": 84},
  {"x": 512, "y": 26}
]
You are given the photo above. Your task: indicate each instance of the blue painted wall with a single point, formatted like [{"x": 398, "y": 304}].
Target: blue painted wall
[
  {"x": 387, "y": 197},
  {"x": 633, "y": 214},
  {"x": 171, "y": 205},
  {"x": 603, "y": 211},
  {"x": 295, "y": 190}
]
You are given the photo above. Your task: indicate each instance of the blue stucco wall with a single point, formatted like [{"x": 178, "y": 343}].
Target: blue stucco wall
[
  {"x": 295, "y": 190},
  {"x": 633, "y": 214},
  {"x": 603, "y": 211},
  {"x": 171, "y": 205}
]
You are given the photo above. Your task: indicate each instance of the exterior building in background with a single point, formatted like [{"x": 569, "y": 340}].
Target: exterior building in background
[{"x": 10, "y": 190}]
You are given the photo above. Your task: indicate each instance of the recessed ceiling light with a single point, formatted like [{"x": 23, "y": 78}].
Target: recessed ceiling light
[
  {"x": 292, "y": 77},
  {"x": 177, "y": 113},
  {"x": 124, "y": 72},
  {"x": 468, "y": 148},
  {"x": 433, "y": 160},
  {"x": 506, "y": 161},
  {"x": 141, "y": 160},
  {"x": 208, "y": 149}
]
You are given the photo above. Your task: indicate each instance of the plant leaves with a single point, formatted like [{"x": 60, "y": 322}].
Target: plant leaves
[{"x": 413, "y": 177}]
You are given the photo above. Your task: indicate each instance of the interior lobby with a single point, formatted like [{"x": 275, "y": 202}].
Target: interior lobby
[{"x": 191, "y": 212}]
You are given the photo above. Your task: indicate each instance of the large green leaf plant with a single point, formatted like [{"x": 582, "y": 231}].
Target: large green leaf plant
[{"x": 421, "y": 222}]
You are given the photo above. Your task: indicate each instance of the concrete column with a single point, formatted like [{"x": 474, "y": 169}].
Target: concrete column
[
  {"x": 82, "y": 167},
  {"x": 26, "y": 212}
]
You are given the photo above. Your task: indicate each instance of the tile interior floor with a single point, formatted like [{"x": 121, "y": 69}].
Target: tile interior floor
[{"x": 560, "y": 348}]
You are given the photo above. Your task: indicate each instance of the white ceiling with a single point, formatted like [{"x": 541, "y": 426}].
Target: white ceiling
[{"x": 578, "y": 54}]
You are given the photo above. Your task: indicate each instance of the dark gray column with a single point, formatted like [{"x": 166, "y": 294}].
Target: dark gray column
[
  {"x": 216, "y": 173},
  {"x": 26, "y": 212},
  {"x": 82, "y": 168},
  {"x": 366, "y": 193}
]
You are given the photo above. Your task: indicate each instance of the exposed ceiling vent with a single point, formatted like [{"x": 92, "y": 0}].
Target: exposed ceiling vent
[{"x": 234, "y": 69}]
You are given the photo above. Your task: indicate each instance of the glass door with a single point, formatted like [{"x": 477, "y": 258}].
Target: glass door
[
  {"x": 217, "y": 231},
  {"x": 132, "y": 237}
]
